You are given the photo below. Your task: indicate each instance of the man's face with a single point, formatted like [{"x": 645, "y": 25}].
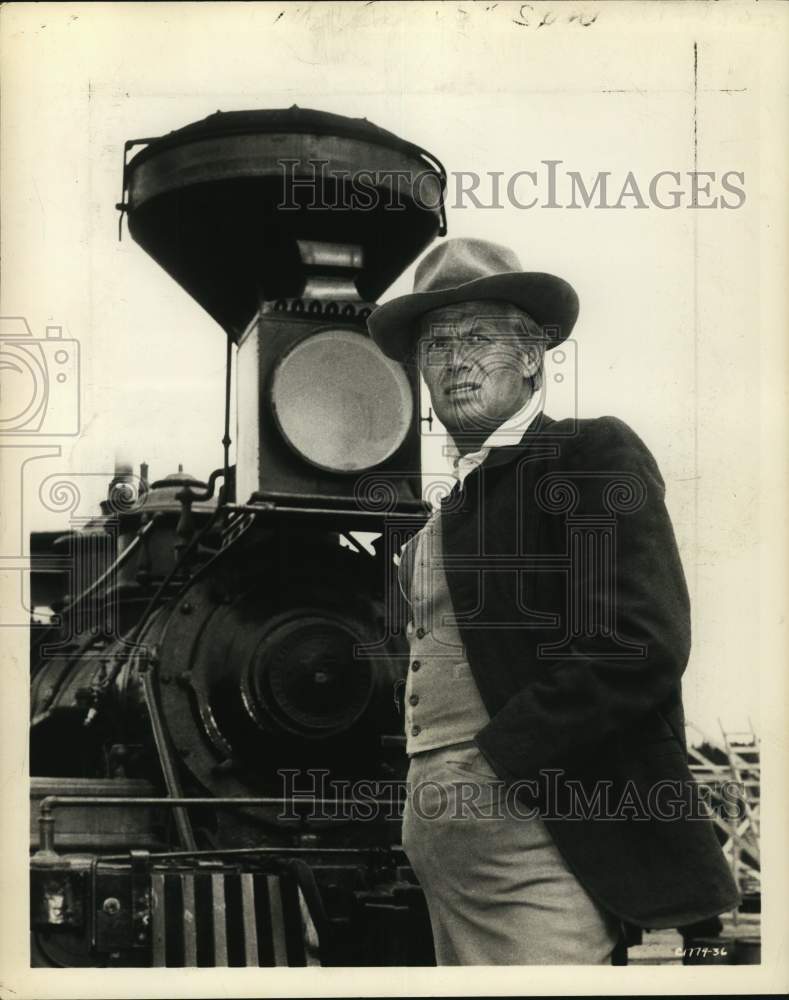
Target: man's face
[{"x": 475, "y": 358}]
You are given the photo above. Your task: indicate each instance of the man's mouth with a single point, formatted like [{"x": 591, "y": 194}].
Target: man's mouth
[{"x": 460, "y": 388}]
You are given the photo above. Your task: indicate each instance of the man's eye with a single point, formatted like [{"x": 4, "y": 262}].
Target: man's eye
[{"x": 478, "y": 338}]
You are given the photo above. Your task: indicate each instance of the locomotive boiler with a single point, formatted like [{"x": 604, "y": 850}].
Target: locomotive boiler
[{"x": 216, "y": 750}]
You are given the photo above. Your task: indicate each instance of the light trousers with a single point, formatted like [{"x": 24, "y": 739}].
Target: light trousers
[{"x": 498, "y": 891}]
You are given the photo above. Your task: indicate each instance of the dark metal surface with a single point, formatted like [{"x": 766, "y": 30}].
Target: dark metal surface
[
  {"x": 241, "y": 910},
  {"x": 205, "y": 202},
  {"x": 268, "y": 464},
  {"x": 89, "y": 829}
]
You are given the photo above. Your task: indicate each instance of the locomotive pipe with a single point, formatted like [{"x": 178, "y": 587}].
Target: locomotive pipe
[
  {"x": 160, "y": 590},
  {"x": 226, "y": 439},
  {"x": 269, "y": 507},
  {"x": 171, "y": 780},
  {"x": 123, "y": 558},
  {"x": 51, "y": 802},
  {"x": 46, "y": 818},
  {"x": 383, "y": 852},
  {"x": 46, "y": 833},
  {"x": 130, "y": 549}
]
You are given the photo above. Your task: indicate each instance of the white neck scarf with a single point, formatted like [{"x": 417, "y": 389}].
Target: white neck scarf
[{"x": 510, "y": 432}]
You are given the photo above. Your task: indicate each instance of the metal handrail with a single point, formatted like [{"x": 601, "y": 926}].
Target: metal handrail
[{"x": 46, "y": 819}]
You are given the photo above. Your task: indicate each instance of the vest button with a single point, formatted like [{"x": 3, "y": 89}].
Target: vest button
[
  {"x": 414, "y": 699},
  {"x": 420, "y": 633},
  {"x": 416, "y": 665},
  {"x": 416, "y": 730}
]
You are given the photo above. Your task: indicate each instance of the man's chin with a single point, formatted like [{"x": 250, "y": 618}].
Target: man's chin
[
  {"x": 465, "y": 415},
  {"x": 460, "y": 427}
]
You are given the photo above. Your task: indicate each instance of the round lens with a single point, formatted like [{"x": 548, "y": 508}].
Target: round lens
[{"x": 340, "y": 403}]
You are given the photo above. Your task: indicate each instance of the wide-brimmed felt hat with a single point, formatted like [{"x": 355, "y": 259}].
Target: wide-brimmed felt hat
[{"x": 461, "y": 270}]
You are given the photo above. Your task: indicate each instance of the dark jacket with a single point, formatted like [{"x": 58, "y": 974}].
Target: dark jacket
[{"x": 571, "y": 601}]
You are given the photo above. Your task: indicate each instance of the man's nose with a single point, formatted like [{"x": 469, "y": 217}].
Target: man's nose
[{"x": 458, "y": 360}]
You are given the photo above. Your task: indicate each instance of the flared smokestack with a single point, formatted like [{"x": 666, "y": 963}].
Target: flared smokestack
[{"x": 226, "y": 205}]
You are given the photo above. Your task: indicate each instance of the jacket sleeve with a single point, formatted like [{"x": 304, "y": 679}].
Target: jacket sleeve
[{"x": 572, "y": 702}]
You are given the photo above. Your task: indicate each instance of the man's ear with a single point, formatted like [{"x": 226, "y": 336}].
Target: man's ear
[{"x": 531, "y": 361}]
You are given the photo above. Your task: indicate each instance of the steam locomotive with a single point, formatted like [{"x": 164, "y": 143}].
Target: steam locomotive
[{"x": 216, "y": 752}]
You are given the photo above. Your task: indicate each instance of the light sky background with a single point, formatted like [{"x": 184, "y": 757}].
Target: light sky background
[{"x": 669, "y": 312}]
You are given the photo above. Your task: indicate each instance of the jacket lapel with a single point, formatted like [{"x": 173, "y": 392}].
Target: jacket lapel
[
  {"x": 509, "y": 452},
  {"x": 478, "y": 528}
]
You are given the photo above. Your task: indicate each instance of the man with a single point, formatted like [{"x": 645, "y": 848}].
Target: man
[{"x": 550, "y": 628}]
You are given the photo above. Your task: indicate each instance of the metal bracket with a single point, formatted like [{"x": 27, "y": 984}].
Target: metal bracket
[{"x": 123, "y": 205}]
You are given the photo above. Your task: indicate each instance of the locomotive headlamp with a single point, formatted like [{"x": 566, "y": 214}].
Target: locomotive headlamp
[{"x": 340, "y": 403}]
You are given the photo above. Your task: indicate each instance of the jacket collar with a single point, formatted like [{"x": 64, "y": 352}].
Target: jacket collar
[
  {"x": 511, "y": 431},
  {"x": 507, "y": 453}
]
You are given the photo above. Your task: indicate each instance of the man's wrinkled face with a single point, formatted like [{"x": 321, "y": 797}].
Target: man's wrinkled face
[{"x": 476, "y": 359}]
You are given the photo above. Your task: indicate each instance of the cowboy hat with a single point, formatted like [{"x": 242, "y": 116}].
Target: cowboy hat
[{"x": 462, "y": 270}]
